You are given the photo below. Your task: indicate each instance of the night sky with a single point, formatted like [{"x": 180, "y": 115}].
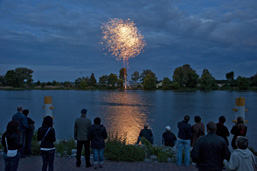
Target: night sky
[{"x": 60, "y": 40}]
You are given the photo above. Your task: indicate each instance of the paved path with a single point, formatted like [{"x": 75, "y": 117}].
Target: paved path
[{"x": 68, "y": 164}]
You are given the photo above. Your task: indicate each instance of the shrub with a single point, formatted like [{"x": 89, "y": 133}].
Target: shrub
[
  {"x": 35, "y": 145},
  {"x": 64, "y": 147},
  {"x": 117, "y": 150}
]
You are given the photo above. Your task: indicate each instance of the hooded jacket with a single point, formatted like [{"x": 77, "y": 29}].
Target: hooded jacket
[
  {"x": 97, "y": 135},
  {"x": 241, "y": 160}
]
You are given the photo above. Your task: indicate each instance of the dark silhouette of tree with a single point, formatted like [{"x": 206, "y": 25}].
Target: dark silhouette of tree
[
  {"x": 123, "y": 71},
  {"x": 149, "y": 82},
  {"x": 166, "y": 83},
  {"x": 145, "y": 73},
  {"x": 112, "y": 80},
  {"x": 207, "y": 81},
  {"x": 242, "y": 83},
  {"x": 135, "y": 76},
  {"x": 92, "y": 80},
  {"x": 185, "y": 76}
]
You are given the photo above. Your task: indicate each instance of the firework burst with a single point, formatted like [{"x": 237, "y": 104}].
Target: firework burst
[{"x": 122, "y": 39}]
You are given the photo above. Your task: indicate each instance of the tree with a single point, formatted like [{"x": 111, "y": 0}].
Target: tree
[
  {"x": 242, "y": 83},
  {"x": 185, "y": 76},
  {"x": 112, "y": 80},
  {"x": 149, "y": 82},
  {"x": 92, "y": 80},
  {"x": 135, "y": 76},
  {"x": 38, "y": 83},
  {"x": 145, "y": 73},
  {"x": 54, "y": 83},
  {"x": 10, "y": 78},
  {"x": 19, "y": 77},
  {"x": 123, "y": 71},
  {"x": 207, "y": 81},
  {"x": 166, "y": 83},
  {"x": 120, "y": 83},
  {"x": 67, "y": 84},
  {"x": 2, "y": 80},
  {"x": 230, "y": 76},
  {"x": 253, "y": 80},
  {"x": 103, "y": 81},
  {"x": 83, "y": 84}
]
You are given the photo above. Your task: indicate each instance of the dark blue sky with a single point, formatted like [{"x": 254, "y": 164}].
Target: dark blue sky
[{"x": 59, "y": 40}]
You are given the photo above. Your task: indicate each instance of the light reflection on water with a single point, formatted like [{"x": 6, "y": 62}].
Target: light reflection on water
[{"x": 124, "y": 114}]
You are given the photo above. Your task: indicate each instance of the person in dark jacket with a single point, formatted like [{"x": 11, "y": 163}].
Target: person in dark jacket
[
  {"x": 168, "y": 138},
  {"x": 210, "y": 150},
  {"x": 184, "y": 136},
  {"x": 46, "y": 134},
  {"x": 97, "y": 135},
  {"x": 29, "y": 133},
  {"x": 238, "y": 130},
  {"x": 222, "y": 130},
  {"x": 12, "y": 137},
  {"x": 146, "y": 133},
  {"x": 23, "y": 125}
]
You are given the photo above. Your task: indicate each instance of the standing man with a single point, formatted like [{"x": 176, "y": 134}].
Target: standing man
[
  {"x": 81, "y": 130},
  {"x": 184, "y": 137},
  {"x": 210, "y": 150},
  {"x": 222, "y": 130},
  {"x": 23, "y": 125}
]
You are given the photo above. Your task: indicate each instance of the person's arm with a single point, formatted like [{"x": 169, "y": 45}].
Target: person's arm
[
  {"x": 232, "y": 164},
  {"x": 52, "y": 135},
  {"x": 75, "y": 130},
  {"x": 25, "y": 122}
]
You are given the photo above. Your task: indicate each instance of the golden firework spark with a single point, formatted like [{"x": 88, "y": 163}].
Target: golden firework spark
[{"x": 122, "y": 39}]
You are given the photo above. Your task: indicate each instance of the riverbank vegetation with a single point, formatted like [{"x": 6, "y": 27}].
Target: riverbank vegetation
[{"x": 184, "y": 78}]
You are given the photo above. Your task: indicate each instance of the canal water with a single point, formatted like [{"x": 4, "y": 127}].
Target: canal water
[{"x": 125, "y": 112}]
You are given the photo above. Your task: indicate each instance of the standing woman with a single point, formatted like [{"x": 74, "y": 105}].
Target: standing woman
[
  {"x": 97, "y": 135},
  {"x": 238, "y": 130},
  {"x": 197, "y": 130},
  {"x": 46, "y": 135},
  {"x": 12, "y": 142}
]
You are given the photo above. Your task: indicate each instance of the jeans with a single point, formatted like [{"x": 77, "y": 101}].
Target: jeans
[
  {"x": 48, "y": 159},
  {"x": 23, "y": 139},
  {"x": 183, "y": 144},
  {"x": 29, "y": 135},
  {"x": 87, "y": 151},
  {"x": 98, "y": 155},
  {"x": 11, "y": 163}
]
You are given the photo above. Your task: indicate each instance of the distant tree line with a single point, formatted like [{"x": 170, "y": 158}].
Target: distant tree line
[{"x": 184, "y": 78}]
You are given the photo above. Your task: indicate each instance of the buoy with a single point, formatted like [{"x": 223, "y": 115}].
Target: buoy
[
  {"x": 48, "y": 106},
  {"x": 240, "y": 108}
]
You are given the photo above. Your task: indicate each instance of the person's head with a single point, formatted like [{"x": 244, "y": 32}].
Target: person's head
[
  {"x": 97, "y": 121},
  {"x": 242, "y": 142},
  {"x": 240, "y": 120},
  {"x": 83, "y": 111},
  {"x": 12, "y": 127},
  {"x": 145, "y": 126},
  {"x": 19, "y": 108},
  {"x": 186, "y": 118},
  {"x": 222, "y": 119},
  {"x": 48, "y": 121},
  {"x": 197, "y": 119},
  {"x": 167, "y": 128},
  {"x": 26, "y": 112},
  {"x": 211, "y": 127}
]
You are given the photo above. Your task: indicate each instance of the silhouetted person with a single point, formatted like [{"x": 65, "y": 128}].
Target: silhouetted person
[
  {"x": 168, "y": 137},
  {"x": 146, "y": 133},
  {"x": 242, "y": 159},
  {"x": 81, "y": 129},
  {"x": 210, "y": 150},
  {"x": 29, "y": 133},
  {"x": 222, "y": 130},
  {"x": 97, "y": 135},
  {"x": 11, "y": 141},
  {"x": 197, "y": 130},
  {"x": 23, "y": 125},
  {"x": 184, "y": 137},
  {"x": 238, "y": 130},
  {"x": 46, "y": 134}
]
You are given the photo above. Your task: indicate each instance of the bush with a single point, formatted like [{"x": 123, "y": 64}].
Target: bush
[
  {"x": 35, "y": 145},
  {"x": 252, "y": 150},
  {"x": 64, "y": 147},
  {"x": 117, "y": 150}
]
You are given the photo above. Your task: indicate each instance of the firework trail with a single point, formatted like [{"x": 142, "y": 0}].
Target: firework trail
[{"x": 122, "y": 39}]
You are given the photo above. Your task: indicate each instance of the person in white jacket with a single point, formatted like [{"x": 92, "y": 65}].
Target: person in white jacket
[{"x": 242, "y": 159}]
